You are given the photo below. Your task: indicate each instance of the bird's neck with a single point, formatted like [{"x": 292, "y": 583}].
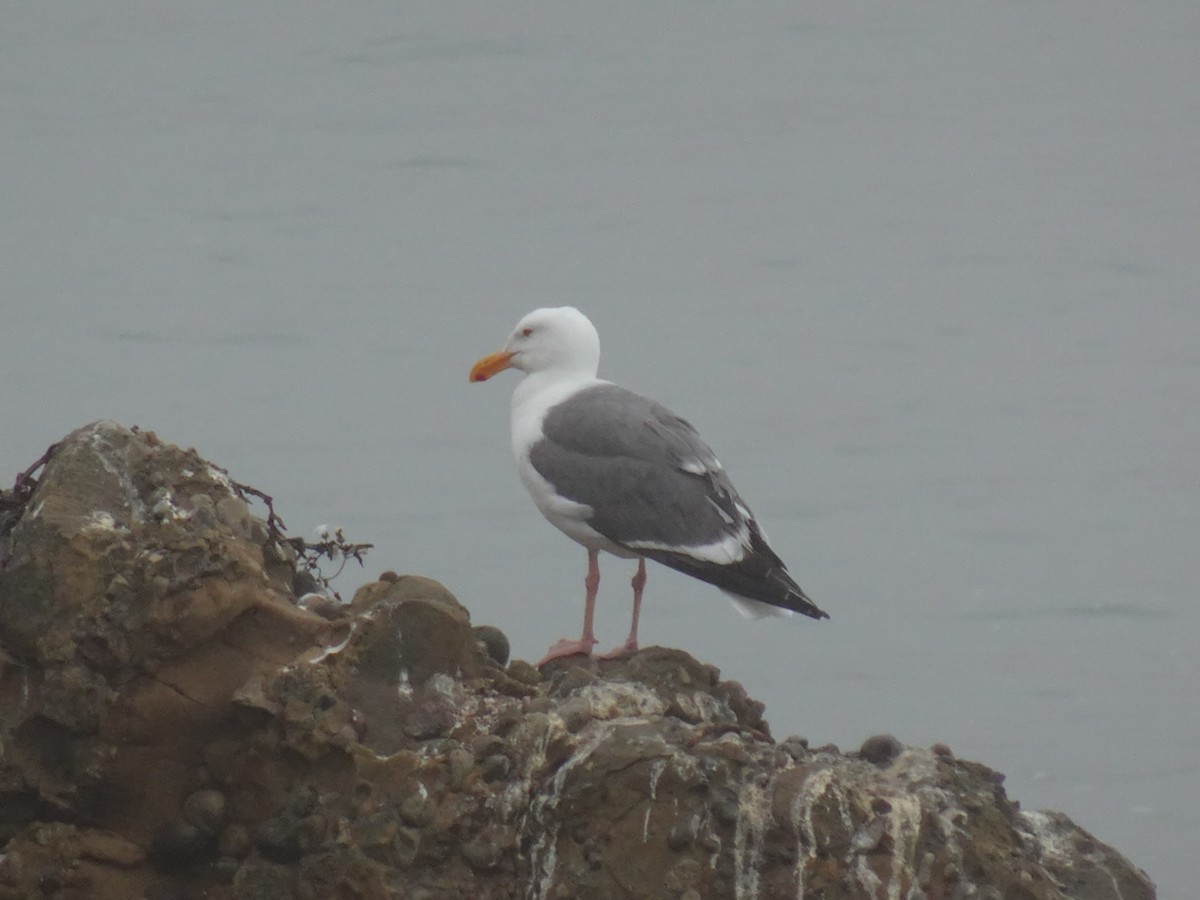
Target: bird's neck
[{"x": 549, "y": 386}]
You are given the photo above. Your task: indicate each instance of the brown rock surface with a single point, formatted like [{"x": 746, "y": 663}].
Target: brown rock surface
[{"x": 174, "y": 724}]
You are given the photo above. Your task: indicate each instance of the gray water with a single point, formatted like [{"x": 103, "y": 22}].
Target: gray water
[{"x": 924, "y": 274}]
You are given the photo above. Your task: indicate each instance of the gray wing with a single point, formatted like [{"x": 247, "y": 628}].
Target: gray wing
[
  {"x": 655, "y": 487},
  {"x": 645, "y": 472}
]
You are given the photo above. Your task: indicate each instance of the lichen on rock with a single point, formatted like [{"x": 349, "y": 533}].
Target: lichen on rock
[{"x": 175, "y": 722}]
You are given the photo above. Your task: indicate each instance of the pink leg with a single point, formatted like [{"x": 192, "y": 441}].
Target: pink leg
[
  {"x": 584, "y": 645},
  {"x": 631, "y": 642}
]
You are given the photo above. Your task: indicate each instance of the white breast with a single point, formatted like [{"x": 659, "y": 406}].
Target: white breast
[{"x": 532, "y": 399}]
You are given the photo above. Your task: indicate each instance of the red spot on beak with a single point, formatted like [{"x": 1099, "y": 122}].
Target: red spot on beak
[{"x": 490, "y": 365}]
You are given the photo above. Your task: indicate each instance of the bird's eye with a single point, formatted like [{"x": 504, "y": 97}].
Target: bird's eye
[{"x": 526, "y": 332}]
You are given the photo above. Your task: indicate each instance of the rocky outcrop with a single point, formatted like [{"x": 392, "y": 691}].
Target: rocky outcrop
[{"x": 175, "y": 723}]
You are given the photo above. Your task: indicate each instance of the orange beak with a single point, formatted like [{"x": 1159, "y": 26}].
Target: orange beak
[{"x": 490, "y": 365}]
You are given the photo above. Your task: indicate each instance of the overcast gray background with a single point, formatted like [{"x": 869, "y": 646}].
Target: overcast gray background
[{"x": 924, "y": 274}]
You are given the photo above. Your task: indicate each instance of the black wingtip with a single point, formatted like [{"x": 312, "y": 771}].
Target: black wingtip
[
  {"x": 794, "y": 597},
  {"x": 806, "y": 607},
  {"x": 759, "y": 576}
]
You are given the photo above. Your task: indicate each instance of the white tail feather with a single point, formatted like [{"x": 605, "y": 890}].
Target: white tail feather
[{"x": 755, "y": 609}]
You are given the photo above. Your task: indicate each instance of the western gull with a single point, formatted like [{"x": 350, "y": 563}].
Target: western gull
[{"x": 619, "y": 472}]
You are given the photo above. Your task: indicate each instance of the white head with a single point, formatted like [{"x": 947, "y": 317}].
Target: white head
[{"x": 559, "y": 339}]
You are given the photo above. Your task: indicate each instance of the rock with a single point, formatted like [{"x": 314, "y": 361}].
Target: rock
[
  {"x": 181, "y": 846},
  {"x": 175, "y": 722},
  {"x": 206, "y": 810},
  {"x": 524, "y": 672},
  {"x": 880, "y": 749},
  {"x": 110, "y": 848},
  {"x": 279, "y": 841},
  {"x": 495, "y": 643}
]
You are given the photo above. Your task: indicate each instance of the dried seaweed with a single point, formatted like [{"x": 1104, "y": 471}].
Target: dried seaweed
[{"x": 309, "y": 554}]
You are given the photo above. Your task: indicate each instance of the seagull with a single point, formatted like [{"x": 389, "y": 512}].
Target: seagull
[{"x": 620, "y": 473}]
